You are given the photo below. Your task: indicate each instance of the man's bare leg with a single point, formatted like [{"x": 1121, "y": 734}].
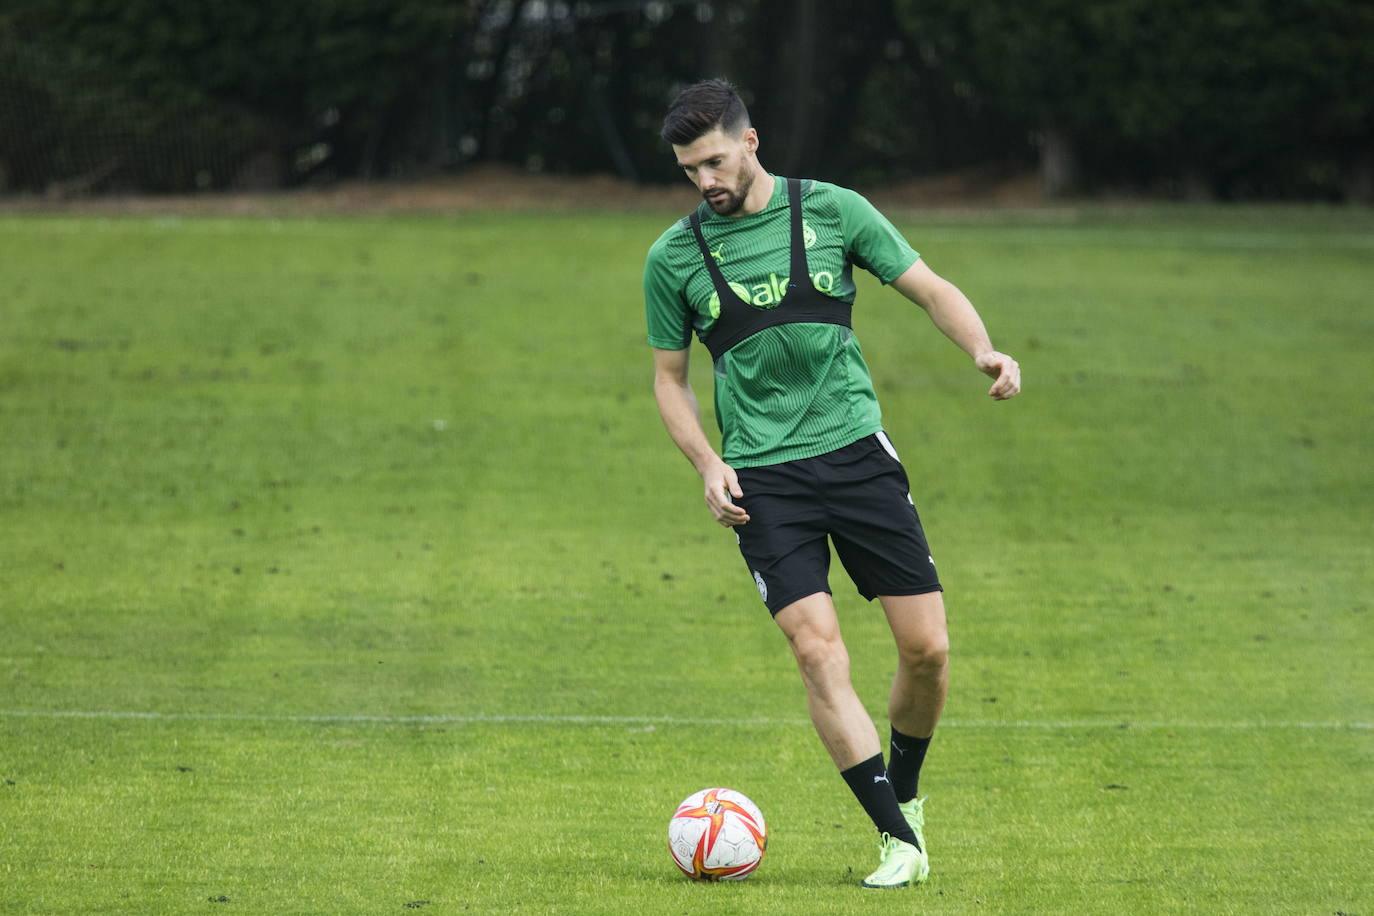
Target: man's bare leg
[
  {"x": 813, "y": 631},
  {"x": 844, "y": 725},
  {"x": 917, "y": 697},
  {"x": 922, "y": 680},
  {"x": 845, "y": 728}
]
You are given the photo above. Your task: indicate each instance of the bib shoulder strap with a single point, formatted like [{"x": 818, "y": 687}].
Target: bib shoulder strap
[
  {"x": 717, "y": 278},
  {"x": 799, "y": 272}
]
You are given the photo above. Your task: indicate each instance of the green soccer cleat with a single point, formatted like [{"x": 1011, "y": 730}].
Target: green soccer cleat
[
  {"x": 900, "y": 864},
  {"x": 914, "y": 812}
]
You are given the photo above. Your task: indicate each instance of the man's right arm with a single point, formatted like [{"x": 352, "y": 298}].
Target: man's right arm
[{"x": 677, "y": 405}]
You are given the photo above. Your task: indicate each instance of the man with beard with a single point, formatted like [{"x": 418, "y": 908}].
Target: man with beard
[{"x": 762, "y": 272}]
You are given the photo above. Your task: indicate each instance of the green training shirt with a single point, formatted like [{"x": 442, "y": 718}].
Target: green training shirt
[{"x": 794, "y": 390}]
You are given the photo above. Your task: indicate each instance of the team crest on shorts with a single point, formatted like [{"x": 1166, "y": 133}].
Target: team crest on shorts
[{"x": 763, "y": 586}]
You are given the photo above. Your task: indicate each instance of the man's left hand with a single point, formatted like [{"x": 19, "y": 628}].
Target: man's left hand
[{"x": 1004, "y": 369}]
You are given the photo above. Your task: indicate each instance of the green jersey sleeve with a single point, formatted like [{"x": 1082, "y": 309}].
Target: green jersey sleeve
[
  {"x": 871, "y": 241},
  {"x": 665, "y": 306}
]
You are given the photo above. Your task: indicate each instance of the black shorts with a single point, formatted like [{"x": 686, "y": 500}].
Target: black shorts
[{"x": 860, "y": 498}]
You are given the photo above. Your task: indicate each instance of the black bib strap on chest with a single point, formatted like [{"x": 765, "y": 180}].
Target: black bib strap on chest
[
  {"x": 799, "y": 276},
  {"x": 801, "y": 303}
]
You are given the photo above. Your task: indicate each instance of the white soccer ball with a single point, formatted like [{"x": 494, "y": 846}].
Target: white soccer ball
[{"x": 717, "y": 835}]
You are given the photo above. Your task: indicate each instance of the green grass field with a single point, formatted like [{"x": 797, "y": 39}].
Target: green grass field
[{"x": 345, "y": 568}]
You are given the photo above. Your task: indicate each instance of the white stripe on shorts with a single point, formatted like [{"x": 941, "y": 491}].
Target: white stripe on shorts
[{"x": 887, "y": 444}]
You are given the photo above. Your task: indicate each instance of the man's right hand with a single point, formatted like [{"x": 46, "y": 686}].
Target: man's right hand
[{"x": 722, "y": 488}]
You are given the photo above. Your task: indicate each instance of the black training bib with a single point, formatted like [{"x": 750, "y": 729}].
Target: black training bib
[{"x": 801, "y": 303}]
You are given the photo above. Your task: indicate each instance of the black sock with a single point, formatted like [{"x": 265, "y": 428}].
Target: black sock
[
  {"x": 908, "y": 754},
  {"x": 868, "y": 780}
]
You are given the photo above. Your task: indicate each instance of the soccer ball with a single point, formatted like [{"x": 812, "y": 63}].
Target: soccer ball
[{"x": 717, "y": 835}]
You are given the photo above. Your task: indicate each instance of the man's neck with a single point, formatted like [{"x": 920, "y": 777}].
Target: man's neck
[{"x": 759, "y": 195}]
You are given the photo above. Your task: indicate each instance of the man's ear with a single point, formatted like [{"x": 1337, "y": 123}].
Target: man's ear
[{"x": 751, "y": 140}]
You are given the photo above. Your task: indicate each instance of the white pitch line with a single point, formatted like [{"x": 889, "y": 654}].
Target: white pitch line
[{"x": 483, "y": 719}]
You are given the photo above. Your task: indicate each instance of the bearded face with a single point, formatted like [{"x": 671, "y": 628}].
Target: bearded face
[
  {"x": 727, "y": 198},
  {"x": 722, "y": 167}
]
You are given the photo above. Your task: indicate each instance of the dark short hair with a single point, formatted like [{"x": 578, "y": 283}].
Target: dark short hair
[{"x": 700, "y": 109}]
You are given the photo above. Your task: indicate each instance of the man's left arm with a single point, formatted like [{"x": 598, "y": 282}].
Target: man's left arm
[{"x": 956, "y": 317}]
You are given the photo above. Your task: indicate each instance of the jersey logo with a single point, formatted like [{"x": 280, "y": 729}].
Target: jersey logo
[
  {"x": 808, "y": 235},
  {"x": 768, "y": 295},
  {"x": 719, "y": 253}
]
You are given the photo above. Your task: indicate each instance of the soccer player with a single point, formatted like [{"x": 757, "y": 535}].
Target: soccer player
[{"x": 762, "y": 272}]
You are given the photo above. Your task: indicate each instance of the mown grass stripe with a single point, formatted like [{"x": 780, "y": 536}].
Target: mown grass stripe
[{"x": 1046, "y": 234}]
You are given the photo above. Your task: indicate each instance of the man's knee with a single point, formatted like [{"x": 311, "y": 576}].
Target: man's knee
[
  {"x": 817, "y": 650},
  {"x": 925, "y": 655},
  {"x": 813, "y": 632},
  {"x": 821, "y": 656},
  {"x": 918, "y": 626}
]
